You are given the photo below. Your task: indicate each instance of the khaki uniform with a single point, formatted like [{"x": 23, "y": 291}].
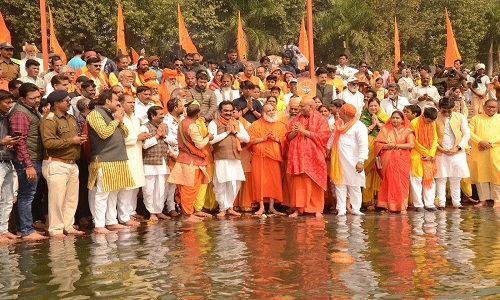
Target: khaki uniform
[
  {"x": 60, "y": 170},
  {"x": 11, "y": 70}
]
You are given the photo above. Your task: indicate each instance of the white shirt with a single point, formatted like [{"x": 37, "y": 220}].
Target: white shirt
[
  {"x": 39, "y": 82},
  {"x": 345, "y": 72},
  {"x": 419, "y": 91},
  {"x": 225, "y": 94},
  {"x": 173, "y": 127},
  {"x": 481, "y": 87},
  {"x": 22, "y": 66},
  {"x": 141, "y": 110},
  {"x": 390, "y": 106},
  {"x": 353, "y": 148},
  {"x": 356, "y": 99}
]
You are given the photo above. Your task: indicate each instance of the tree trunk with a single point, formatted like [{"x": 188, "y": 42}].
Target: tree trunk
[{"x": 489, "y": 67}]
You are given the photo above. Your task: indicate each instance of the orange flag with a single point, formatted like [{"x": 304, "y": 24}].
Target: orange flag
[
  {"x": 397, "y": 50},
  {"x": 241, "y": 43},
  {"x": 54, "y": 44},
  {"x": 120, "y": 32},
  {"x": 135, "y": 55},
  {"x": 452, "y": 53},
  {"x": 184, "y": 39},
  {"x": 303, "y": 43},
  {"x": 4, "y": 31}
]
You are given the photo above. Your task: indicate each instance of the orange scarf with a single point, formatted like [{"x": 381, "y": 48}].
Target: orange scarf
[
  {"x": 236, "y": 125},
  {"x": 335, "y": 168},
  {"x": 425, "y": 136}
]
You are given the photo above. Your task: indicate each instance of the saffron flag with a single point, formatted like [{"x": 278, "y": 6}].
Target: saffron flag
[
  {"x": 241, "y": 42},
  {"x": 4, "y": 31},
  {"x": 135, "y": 55},
  {"x": 54, "y": 44},
  {"x": 120, "y": 32},
  {"x": 397, "y": 50},
  {"x": 184, "y": 39},
  {"x": 303, "y": 43},
  {"x": 452, "y": 53}
]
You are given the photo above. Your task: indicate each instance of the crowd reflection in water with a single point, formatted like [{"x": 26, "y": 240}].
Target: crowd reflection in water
[{"x": 415, "y": 255}]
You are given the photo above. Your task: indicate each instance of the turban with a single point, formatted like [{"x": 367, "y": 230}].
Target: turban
[
  {"x": 295, "y": 102},
  {"x": 168, "y": 73},
  {"x": 150, "y": 75},
  {"x": 349, "y": 109}
]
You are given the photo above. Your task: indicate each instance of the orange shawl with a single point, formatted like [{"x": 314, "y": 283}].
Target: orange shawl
[
  {"x": 335, "y": 171},
  {"x": 425, "y": 137},
  {"x": 236, "y": 125}
]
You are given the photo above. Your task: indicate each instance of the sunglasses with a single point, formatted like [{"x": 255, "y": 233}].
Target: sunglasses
[{"x": 97, "y": 66}]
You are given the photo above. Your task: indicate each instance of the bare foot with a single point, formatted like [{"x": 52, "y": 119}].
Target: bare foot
[
  {"x": 259, "y": 212},
  {"x": 4, "y": 239},
  {"x": 496, "y": 205},
  {"x": 274, "y": 211},
  {"x": 34, "y": 236},
  {"x": 289, "y": 211},
  {"x": 319, "y": 215},
  {"x": 404, "y": 212},
  {"x": 101, "y": 230},
  {"x": 295, "y": 214},
  {"x": 202, "y": 214},
  {"x": 232, "y": 212},
  {"x": 371, "y": 208},
  {"x": 192, "y": 219},
  {"x": 131, "y": 223},
  {"x": 116, "y": 227},
  {"x": 162, "y": 216},
  {"x": 221, "y": 214},
  {"x": 11, "y": 236},
  {"x": 153, "y": 218},
  {"x": 481, "y": 204},
  {"x": 58, "y": 236},
  {"x": 173, "y": 213},
  {"x": 77, "y": 232},
  {"x": 137, "y": 216},
  {"x": 472, "y": 200}
]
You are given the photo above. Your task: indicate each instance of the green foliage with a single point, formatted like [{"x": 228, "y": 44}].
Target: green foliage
[{"x": 367, "y": 26}]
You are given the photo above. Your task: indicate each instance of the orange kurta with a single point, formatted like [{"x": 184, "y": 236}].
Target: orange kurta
[{"x": 267, "y": 156}]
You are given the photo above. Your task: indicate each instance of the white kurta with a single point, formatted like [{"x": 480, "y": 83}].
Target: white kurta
[
  {"x": 173, "y": 127},
  {"x": 356, "y": 99},
  {"x": 429, "y": 90},
  {"x": 353, "y": 147},
  {"x": 226, "y": 94},
  {"x": 453, "y": 165},
  {"x": 134, "y": 150},
  {"x": 390, "y": 106},
  {"x": 141, "y": 110}
]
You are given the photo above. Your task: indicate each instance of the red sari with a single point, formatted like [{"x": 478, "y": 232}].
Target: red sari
[{"x": 396, "y": 167}]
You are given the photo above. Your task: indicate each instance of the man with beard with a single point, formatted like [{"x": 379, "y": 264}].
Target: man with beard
[
  {"x": 307, "y": 135},
  {"x": 30, "y": 50},
  {"x": 140, "y": 72},
  {"x": 126, "y": 81},
  {"x": 228, "y": 135},
  {"x": 324, "y": 90},
  {"x": 425, "y": 93},
  {"x": 352, "y": 96},
  {"x": 190, "y": 80},
  {"x": 226, "y": 92},
  {"x": 169, "y": 82},
  {"x": 122, "y": 63},
  {"x": 205, "y": 97},
  {"x": 267, "y": 142},
  {"x": 178, "y": 64},
  {"x": 393, "y": 101}
]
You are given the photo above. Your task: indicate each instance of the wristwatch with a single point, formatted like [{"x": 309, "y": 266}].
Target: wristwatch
[{"x": 459, "y": 148}]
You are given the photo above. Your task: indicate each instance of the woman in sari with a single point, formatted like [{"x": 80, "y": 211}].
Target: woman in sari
[
  {"x": 374, "y": 117},
  {"x": 394, "y": 143}
]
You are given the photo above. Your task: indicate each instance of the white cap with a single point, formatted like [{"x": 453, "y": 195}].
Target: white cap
[
  {"x": 293, "y": 80},
  {"x": 352, "y": 79},
  {"x": 480, "y": 66}
]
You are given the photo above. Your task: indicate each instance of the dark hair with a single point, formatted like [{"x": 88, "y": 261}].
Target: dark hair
[
  {"x": 26, "y": 88},
  {"x": 14, "y": 83},
  {"x": 152, "y": 111},
  {"x": 321, "y": 71},
  {"x": 172, "y": 104},
  {"x": 43, "y": 103},
  {"x": 101, "y": 51},
  {"x": 201, "y": 75},
  {"x": 446, "y": 103},
  {"x": 189, "y": 55},
  {"x": 32, "y": 62},
  {"x": 338, "y": 103},
  {"x": 344, "y": 55},
  {"x": 123, "y": 97},
  {"x": 371, "y": 91},
  {"x": 276, "y": 88},
  {"x": 78, "y": 49},
  {"x": 323, "y": 106},
  {"x": 54, "y": 58},
  {"x": 92, "y": 104},
  {"x": 373, "y": 99},
  {"x": 399, "y": 113},
  {"x": 430, "y": 113},
  {"x": 103, "y": 96},
  {"x": 490, "y": 100},
  {"x": 5, "y": 95},
  {"x": 142, "y": 89},
  {"x": 88, "y": 83},
  {"x": 271, "y": 77},
  {"x": 232, "y": 50},
  {"x": 239, "y": 107},
  {"x": 121, "y": 55},
  {"x": 457, "y": 60},
  {"x": 57, "y": 79},
  {"x": 269, "y": 97},
  {"x": 247, "y": 84},
  {"x": 264, "y": 58},
  {"x": 192, "y": 110},
  {"x": 93, "y": 60},
  {"x": 226, "y": 102},
  {"x": 140, "y": 60},
  {"x": 415, "y": 109}
]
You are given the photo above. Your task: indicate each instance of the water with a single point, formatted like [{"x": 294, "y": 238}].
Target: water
[{"x": 441, "y": 255}]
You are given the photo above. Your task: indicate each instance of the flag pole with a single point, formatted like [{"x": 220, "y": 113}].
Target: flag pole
[
  {"x": 310, "y": 38},
  {"x": 43, "y": 25}
]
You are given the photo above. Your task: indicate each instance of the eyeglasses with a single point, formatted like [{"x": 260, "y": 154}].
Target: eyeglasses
[
  {"x": 97, "y": 66},
  {"x": 178, "y": 65},
  {"x": 188, "y": 58},
  {"x": 492, "y": 107}
]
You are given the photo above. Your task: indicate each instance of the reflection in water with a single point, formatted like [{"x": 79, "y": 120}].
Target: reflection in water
[{"x": 446, "y": 254}]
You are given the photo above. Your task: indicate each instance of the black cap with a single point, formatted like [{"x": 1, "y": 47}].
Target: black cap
[
  {"x": 402, "y": 63},
  {"x": 57, "y": 95}
]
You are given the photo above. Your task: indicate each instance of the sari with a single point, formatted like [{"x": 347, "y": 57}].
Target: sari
[
  {"x": 396, "y": 166},
  {"x": 373, "y": 179}
]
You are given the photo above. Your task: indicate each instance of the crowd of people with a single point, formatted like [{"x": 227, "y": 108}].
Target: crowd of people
[{"x": 82, "y": 142}]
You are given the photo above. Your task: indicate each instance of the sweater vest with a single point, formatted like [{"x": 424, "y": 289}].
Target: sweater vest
[
  {"x": 110, "y": 149},
  {"x": 228, "y": 147},
  {"x": 156, "y": 154}
]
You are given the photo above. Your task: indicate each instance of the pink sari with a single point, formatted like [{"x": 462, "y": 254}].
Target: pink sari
[{"x": 396, "y": 166}]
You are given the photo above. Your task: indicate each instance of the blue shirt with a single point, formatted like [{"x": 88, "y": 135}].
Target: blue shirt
[{"x": 76, "y": 62}]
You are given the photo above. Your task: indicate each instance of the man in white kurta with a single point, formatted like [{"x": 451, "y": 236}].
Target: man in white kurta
[
  {"x": 425, "y": 93},
  {"x": 127, "y": 198},
  {"x": 393, "y": 101},
  {"x": 352, "y": 96},
  {"x": 451, "y": 159},
  {"x": 228, "y": 135},
  {"x": 352, "y": 150},
  {"x": 226, "y": 92}
]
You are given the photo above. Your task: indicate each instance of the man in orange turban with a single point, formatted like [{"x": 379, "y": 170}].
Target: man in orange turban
[{"x": 349, "y": 152}]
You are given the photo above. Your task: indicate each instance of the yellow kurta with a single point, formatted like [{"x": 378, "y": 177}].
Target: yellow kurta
[
  {"x": 484, "y": 165},
  {"x": 419, "y": 150}
]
